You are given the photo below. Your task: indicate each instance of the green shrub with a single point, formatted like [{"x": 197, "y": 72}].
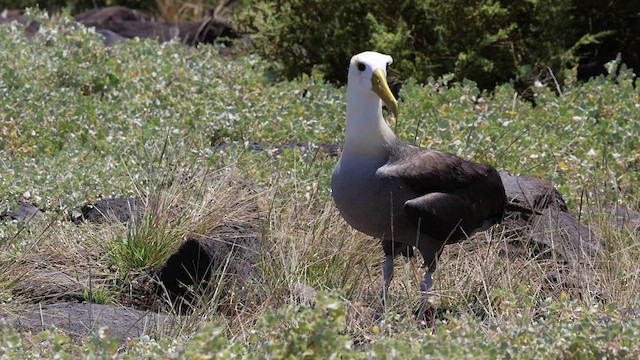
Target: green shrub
[
  {"x": 490, "y": 42},
  {"x": 567, "y": 331}
]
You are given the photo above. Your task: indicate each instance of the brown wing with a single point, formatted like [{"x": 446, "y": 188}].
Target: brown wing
[{"x": 454, "y": 196}]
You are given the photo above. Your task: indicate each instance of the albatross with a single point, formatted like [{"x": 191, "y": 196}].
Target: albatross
[{"x": 405, "y": 195}]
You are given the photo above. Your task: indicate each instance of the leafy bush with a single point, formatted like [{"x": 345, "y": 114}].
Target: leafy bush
[{"x": 489, "y": 42}]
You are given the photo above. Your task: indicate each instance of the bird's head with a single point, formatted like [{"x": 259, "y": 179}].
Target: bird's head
[{"x": 368, "y": 72}]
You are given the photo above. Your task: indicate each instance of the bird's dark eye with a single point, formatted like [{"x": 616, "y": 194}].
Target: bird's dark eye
[{"x": 361, "y": 66}]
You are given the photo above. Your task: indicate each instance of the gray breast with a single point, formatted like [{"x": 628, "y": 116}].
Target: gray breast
[{"x": 365, "y": 200}]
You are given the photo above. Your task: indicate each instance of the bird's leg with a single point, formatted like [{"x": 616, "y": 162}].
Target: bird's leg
[
  {"x": 387, "y": 273},
  {"x": 425, "y": 312}
]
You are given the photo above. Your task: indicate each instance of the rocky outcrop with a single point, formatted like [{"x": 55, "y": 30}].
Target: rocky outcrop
[
  {"x": 619, "y": 217},
  {"x": 8, "y": 16},
  {"x": 555, "y": 228},
  {"x": 224, "y": 263},
  {"x": 123, "y": 210},
  {"x": 79, "y": 320},
  {"x": 118, "y": 23},
  {"x": 24, "y": 211},
  {"x": 128, "y": 24}
]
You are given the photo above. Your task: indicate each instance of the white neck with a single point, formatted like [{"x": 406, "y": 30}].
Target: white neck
[{"x": 367, "y": 132}]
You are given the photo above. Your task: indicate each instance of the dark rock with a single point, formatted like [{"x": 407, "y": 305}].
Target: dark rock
[
  {"x": 101, "y": 16},
  {"x": 24, "y": 211},
  {"x": 79, "y": 320},
  {"x": 332, "y": 150},
  {"x": 141, "y": 29},
  {"x": 190, "y": 33},
  {"x": 207, "y": 32},
  {"x": 555, "y": 228},
  {"x": 110, "y": 37},
  {"x": 229, "y": 255},
  {"x": 128, "y": 24},
  {"x": 562, "y": 232},
  {"x": 531, "y": 192},
  {"x": 620, "y": 217},
  {"x": 118, "y": 23},
  {"x": 123, "y": 210}
]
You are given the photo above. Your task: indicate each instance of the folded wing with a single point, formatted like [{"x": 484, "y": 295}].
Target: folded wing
[{"x": 453, "y": 197}]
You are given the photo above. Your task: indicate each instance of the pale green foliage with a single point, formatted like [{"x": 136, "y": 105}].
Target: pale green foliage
[
  {"x": 566, "y": 331},
  {"x": 304, "y": 333},
  {"x": 581, "y": 140},
  {"x": 81, "y": 120}
]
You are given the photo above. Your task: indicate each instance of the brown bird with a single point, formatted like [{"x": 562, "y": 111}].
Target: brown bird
[{"x": 402, "y": 194}]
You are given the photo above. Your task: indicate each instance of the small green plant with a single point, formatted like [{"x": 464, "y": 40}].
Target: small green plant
[
  {"x": 145, "y": 245},
  {"x": 98, "y": 294},
  {"x": 307, "y": 333},
  {"x": 101, "y": 344}
]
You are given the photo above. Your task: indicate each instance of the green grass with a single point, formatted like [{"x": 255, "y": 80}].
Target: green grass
[{"x": 79, "y": 121}]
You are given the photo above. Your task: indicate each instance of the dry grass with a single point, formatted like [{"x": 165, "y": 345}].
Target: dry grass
[
  {"x": 490, "y": 276},
  {"x": 618, "y": 275},
  {"x": 58, "y": 265},
  {"x": 55, "y": 260}
]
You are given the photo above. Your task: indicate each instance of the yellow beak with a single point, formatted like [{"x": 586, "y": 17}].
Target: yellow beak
[{"x": 381, "y": 88}]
